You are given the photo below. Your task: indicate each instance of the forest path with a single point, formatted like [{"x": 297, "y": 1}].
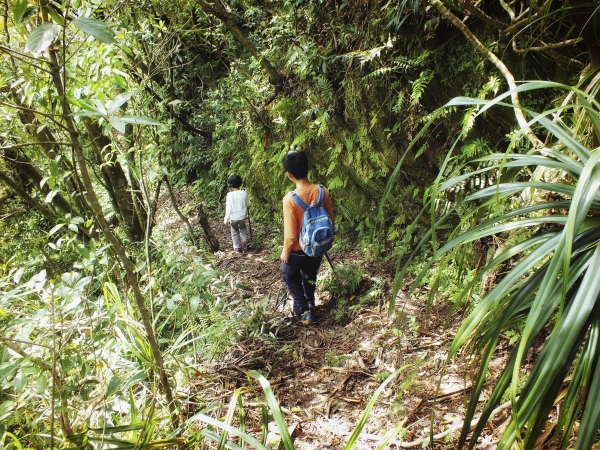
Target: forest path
[{"x": 324, "y": 375}]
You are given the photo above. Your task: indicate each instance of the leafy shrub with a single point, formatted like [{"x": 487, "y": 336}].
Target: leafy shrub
[
  {"x": 342, "y": 283},
  {"x": 343, "y": 280}
]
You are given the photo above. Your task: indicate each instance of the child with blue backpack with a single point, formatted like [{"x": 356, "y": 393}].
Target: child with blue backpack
[{"x": 308, "y": 229}]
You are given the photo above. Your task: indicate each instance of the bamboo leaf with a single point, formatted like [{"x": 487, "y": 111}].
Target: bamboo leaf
[
  {"x": 94, "y": 28},
  {"x": 42, "y": 37},
  {"x": 138, "y": 120},
  {"x": 22, "y": 12},
  {"x": 118, "y": 101},
  {"x": 229, "y": 417},
  {"x": 118, "y": 124}
]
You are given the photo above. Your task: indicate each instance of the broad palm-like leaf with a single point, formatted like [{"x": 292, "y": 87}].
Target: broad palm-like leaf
[{"x": 554, "y": 289}]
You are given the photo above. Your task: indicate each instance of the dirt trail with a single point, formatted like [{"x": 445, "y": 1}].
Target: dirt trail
[{"x": 325, "y": 374}]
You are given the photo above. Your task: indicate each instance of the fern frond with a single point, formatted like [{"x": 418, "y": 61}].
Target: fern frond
[
  {"x": 419, "y": 86},
  {"x": 422, "y": 150},
  {"x": 399, "y": 105},
  {"x": 378, "y": 73}
]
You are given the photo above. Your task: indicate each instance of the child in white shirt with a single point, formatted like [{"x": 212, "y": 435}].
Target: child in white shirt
[{"x": 236, "y": 209}]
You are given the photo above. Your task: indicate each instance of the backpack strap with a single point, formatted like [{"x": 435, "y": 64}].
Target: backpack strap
[
  {"x": 321, "y": 196},
  {"x": 298, "y": 200},
  {"x": 303, "y": 205}
]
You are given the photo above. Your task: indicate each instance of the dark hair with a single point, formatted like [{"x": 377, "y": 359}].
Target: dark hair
[
  {"x": 296, "y": 163},
  {"x": 234, "y": 181}
]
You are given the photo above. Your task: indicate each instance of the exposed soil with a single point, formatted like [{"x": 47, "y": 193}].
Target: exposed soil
[{"x": 324, "y": 375}]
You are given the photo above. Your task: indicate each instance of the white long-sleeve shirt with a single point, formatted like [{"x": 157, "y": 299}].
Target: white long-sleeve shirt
[{"x": 236, "y": 205}]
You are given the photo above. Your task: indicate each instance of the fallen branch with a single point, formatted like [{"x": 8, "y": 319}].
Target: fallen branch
[{"x": 178, "y": 212}]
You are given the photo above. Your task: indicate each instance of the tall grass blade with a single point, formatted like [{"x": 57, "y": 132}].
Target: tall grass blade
[
  {"x": 264, "y": 424},
  {"x": 286, "y": 439},
  {"x": 229, "y": 417},
  {"x": 581, "y": 376},
  {"x": 590, "y": 420},
  {"x": 230, "y": 429},
  {"x": 216, "y": 437},
  {"x": 365, "y": 415}
]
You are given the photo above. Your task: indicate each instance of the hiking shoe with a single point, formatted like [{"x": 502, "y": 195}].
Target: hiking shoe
[
  {"x": 307, "y": 318},
  {"x": 312, "y": 308},
  {"x": 292, "y": 320},
  {"x": 238, "y": 250}
]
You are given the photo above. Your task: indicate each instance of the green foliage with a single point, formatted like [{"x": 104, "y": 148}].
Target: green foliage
[
  {"x": 375, "y": 292},
  {"x": 343, "y": 280},
  {"x": 552, "y": 293},
  {"x": 353, "y": 92},
  {"x": 342, "y": 283},
  {"x": 382, "y": 376},
  {"x": 101, "y": 351},
  {"x": 336, "y": 360}
]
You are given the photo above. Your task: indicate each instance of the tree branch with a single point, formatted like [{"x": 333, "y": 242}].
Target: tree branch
[
  {"x": 548, "y": 49},
  {"x": 219, "y": 12},
  {"x": 22, "y": 57},
  {"x": 38, "y": 362},
  {"x": 519, "y": 22},
  {"x": 475, "y": 11},
  {"x": 508, "y": 76},
  {"x": 189, "y": 127},
  {"x": 27, "y": 144},
  {"x": 508, "y": 9},
  {"x": 47, "y": 212},
  {"x": 47, "y": 116},
  {"x": 554, "y": 45},
  {"x": 177, "y": 211}
]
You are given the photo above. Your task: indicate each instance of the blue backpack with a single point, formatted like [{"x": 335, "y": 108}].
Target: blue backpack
[{"x": 316, "y": 234}]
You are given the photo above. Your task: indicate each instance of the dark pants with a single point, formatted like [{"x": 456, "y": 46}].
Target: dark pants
[{"x": 300, "y": 276}]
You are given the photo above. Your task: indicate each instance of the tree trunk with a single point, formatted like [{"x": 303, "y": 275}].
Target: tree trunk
[
  {"x": 221, "y": 13},
  {"x": 43, "y": 135},
  {"x": 12, "y": 184},
  {"x": 116, "y": 183},
  {"x": 180, "y": 214},
  {"x": 136, "y": 190},
  {"x": 117, "y": 247},
  {"x": 24, "y": 166},
  {"x": 212, "y": 240}
]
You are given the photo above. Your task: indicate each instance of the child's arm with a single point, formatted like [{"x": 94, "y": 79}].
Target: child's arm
[
  {"x": 290, "y": 231},
  {"x": 227, "y": 209}
]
